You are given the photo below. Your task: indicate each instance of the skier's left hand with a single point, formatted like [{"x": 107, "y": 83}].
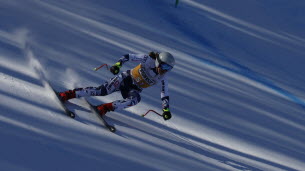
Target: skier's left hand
[
  {"x": 115, "y": 69},
  {"x": 166, "y": 114}
]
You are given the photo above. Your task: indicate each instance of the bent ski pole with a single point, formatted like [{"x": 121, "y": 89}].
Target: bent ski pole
[
  {"x": 95, "y": 69},
  {"x": 143, "y": 115}
]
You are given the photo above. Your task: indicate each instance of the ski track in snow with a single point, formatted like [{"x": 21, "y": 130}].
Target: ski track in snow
[{"x": 229, "y": 111}]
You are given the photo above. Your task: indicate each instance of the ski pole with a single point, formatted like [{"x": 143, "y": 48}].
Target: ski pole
[
  {"x": 95, "y": 69},
  {"x": 143, "y": 115}
]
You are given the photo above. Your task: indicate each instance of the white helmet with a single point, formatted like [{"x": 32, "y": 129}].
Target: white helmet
[{"x": 165, "y": 58}]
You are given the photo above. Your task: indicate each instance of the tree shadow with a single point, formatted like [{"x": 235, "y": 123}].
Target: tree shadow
[{"x": 186, "y": 142}]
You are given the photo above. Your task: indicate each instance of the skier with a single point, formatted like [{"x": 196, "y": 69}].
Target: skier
[{"x": 151, "y": 70}]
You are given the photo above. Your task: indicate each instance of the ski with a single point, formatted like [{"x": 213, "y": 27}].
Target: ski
[
  {"x": 67, "y": 111},
  {"x": 94, "y": 110}
]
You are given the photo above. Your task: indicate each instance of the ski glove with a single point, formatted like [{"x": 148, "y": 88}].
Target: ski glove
[
  {"x": 166, "y": 114},
  {"x": 115, "y": 69}
]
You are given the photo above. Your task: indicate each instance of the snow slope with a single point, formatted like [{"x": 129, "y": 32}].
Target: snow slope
[{"x": 237, "y": 92}]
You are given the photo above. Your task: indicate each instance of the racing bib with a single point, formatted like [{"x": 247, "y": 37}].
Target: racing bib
[{"x": 140, "y": 77}]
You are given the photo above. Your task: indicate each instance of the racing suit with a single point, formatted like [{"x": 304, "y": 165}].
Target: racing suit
[{"x": 131, "y": 83}]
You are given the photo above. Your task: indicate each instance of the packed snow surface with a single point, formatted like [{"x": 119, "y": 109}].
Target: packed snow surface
[{"x": 236, "y": 93}]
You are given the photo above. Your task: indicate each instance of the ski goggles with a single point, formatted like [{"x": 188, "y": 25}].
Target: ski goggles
[{"x": 165, "y": 67}]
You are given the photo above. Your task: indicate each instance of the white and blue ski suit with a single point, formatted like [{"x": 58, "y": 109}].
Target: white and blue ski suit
[{"x": 131, "y": 83}]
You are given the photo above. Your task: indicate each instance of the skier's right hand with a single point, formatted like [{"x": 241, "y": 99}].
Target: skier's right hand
[{"x": 115, "y": 69}]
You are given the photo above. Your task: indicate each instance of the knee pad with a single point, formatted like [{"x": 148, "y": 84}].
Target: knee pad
[{"x": 135, "y": 96}]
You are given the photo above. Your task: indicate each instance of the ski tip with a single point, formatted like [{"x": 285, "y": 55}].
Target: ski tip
[
  {"x": 69, "y": 113},
  {"x": 72, "y": 115},
  {"x": 111, "y": 128}
]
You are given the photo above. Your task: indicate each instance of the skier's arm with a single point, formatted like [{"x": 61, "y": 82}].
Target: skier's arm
[
  {"x": 165, "y": 99},
  {"x": 115, "y": 69},
  {"x": 131, "y": 57}
]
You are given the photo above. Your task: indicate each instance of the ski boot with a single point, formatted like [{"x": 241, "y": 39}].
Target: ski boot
[
  {"x": 104, "y": 108},
  {"x": 67, "y": 95}
]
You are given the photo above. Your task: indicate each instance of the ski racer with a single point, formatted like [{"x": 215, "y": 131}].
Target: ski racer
[{"x": 151, "y": 70}]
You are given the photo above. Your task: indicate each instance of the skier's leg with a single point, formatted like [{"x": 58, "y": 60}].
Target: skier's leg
[
  {"x": 103, "y": 90},
  {"x": 132, "y": 99},
  {"x": 91, "y": 91},
  {"x": 130, "y": 93}
]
